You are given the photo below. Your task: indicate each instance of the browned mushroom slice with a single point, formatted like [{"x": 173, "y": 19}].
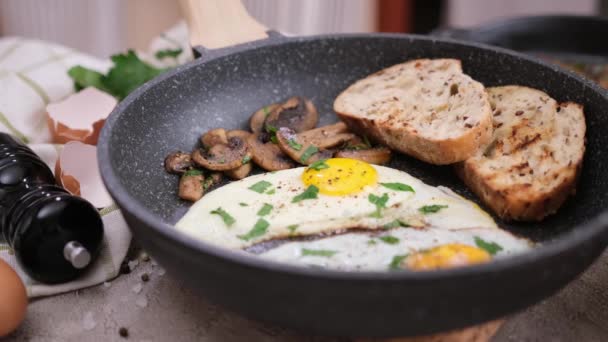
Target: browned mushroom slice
[
  {"x": 256, "y": 122},
  {"x": 245, "y": 168},
  {"x": 191, "y": 186},
  {"x": 212, "y": 179},
  {"x": 214, "y": 137},
  {"x": 327, "y": 136},
  {"x": 178, "y": 162},
  {"x": 300, "y": 150},
  {"x": 297, "y": 113},
  {"x": 223, "y": 157},
  {"x": 268, "y": 155},
  {"x": 375, "y": 155}
]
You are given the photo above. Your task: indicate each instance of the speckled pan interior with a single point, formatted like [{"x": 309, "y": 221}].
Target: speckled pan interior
[{"x": 223, "y": 89}]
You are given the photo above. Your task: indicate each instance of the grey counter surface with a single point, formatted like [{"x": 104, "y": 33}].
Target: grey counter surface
[{"x": 162, "y": 309}]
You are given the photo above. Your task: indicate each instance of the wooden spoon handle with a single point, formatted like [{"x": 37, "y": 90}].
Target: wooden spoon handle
[{"x": 220, "y": 23}]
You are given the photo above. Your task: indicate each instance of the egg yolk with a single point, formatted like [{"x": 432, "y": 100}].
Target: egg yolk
[
  {"x": 340, "y": 176},
  {"x": 447, "y": 256}
]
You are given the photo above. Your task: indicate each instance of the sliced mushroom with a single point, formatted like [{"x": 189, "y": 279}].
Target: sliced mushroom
[
  {"x": 178, "y": 162},
  {"x": 327, "y": 136},
  {"x": 214, "y": 137},
  {"x": 302, "y": 150},
  {"x": 297, "y": 113},
  {"x": 268, "y": 155},
  {"x": 212, "y": 179},
  {"x": 375, "y": 155},
  {"x": 191, "y": 187},
  {"x": 256, "y": 122},
  {"x": 223, "y": 157},
  {"x": 245, "y": 168}
]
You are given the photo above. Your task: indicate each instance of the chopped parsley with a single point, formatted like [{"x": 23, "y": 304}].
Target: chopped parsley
[
  {"x": 396, "y": 262},
  {"x": 274, "y": 139},
  {"x": 294, "y": 144},
  {"x": 292, "y": 228},
  {"x": 310, "y": 150},
  {"x": 173, "y": 53},
  {"x": 271, "y": 191},
  {"x": 395, "y": 224},
  {"x": 391, "y": 240},
  {"x": 490, "y": 247},
  {"x": 429, "y": 209},
  {"x": 193, "y": 172},
  {"x": 398, "y": 186},
  {"x": 319, "y": 165},
  {"x": 265, "y": 210},
  {"x": 228, "y": 220},
  {"x": 318, "y": 252},
  {"x": 379, "y": 202},
  {"x": 245, "y": 160},
  {"x": 371, "y": 242},
  {"x": 310, "y": 193},
  {"x": 271, "y": 129},
  {"x": 260, "y": 186},
  {"x": 266, "y": 112},
  {"x": 258, "y": 230},
  {"x": 242, "y": 204}
]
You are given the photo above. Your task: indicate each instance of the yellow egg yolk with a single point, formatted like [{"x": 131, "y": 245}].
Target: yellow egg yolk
[
  {"x": 447, "y": 256},
  {"x": 340, "y": 176}
]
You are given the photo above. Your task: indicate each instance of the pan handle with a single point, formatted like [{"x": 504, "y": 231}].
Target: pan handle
[{"x": 216, "y": 24}]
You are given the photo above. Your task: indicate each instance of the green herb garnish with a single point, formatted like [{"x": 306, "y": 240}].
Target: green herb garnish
[
  {"x": 271, "y": 191},
  {"x": 265, "y": 210},
  {"x": 310, "y": 193},
  {"x": 243, "y": 204},
  {"x": 490, "y": 247},
  {"x": 274, "y": 139},
  {"x": 245, "y": 160},
  {"x": 271, "y": 129},
  {"x": 379, "y": 202},
  {"x": 398, "y": 186},
  {"x": 193, "y": 172},
  {"x": 395, "y": 224},
  {"x": 391, "y": 240},
  {"x": 319, "y": 165},
  {"x": 429, "y": 209},
  {"x": 371, "y": 242},
  {"x": 228, "y": 220},
  {"x": 294, "y": 144},
  {"x": 318, "y": 252},
  {"x": 260, "y": 186},
  {"x": 310, "y": 150},
  {"x": 173, "y": 53},
  {"x": 266, "y": 112},
  {"x": 292, "y": 228},
  {"x": 396, "y": 262},
  {"x": 258, "y": 230}
]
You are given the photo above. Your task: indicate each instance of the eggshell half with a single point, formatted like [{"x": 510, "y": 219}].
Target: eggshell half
[
  {"x": 77, "y": 171},
  {"x": 13, "y": 300},
  {"x": 80, "y": 117}
]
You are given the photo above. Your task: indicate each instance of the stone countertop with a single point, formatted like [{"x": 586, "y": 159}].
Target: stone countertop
[{"x": 162, "y": 309}]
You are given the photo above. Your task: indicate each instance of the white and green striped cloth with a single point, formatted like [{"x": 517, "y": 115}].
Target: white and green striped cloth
[{"x": 34, "y": 74}]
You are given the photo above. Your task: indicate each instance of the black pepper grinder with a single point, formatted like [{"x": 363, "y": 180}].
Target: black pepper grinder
[{"x": 55, "y": 235}]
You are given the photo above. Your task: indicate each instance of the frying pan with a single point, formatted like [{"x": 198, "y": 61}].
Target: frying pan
[
  {"x": 226, "y": 84},
  {"x": 568, "y": 37}
]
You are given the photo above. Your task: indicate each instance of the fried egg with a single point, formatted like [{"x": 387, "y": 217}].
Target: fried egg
[{"x": 331, "y": 199}]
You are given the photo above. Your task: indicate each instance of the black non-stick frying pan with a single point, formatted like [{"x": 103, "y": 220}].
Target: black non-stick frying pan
[{"x": 224, "y": 86}]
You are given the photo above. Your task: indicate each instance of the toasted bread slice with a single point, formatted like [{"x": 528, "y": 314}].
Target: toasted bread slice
[
  {"x": 531, "y": 166},
  {"x": 427, "y": 108}
]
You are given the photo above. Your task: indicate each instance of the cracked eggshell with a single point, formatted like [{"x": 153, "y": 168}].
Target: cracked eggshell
[
  {"x": 80, "y": 117},
  {"x": 77, "y": 171}
]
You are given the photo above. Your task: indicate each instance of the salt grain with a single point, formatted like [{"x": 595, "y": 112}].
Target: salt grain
[
  {"x": 88, "y": 322},
  {"x": 141, "y": 301}
]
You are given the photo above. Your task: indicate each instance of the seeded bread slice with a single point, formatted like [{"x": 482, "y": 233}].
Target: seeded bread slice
[
  {"x": 427, "y": 108},
  {"x": 532, "y": 164}
]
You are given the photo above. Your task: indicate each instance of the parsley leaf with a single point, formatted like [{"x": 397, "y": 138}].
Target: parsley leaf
[
  {"x": 260, "y": 186},
  {"x": 266, "y": 112},
  {"x": 193, "y": 172},
  {"x": 271, "y": 192},
  {"x": 271, "y": 129},
  {"x": 242, "y": 204},
  {"x": 258, "y": 230},
  {"x": 274, "y": 139},
  {"x": 391, "y": 240},
  {"x": 379, "y": 202},
  {"x": 265, "y": 210},
  {"x": 398, "y": 186},
  {"x": 310, "y": 150},
  {"x": 294, "y": 144},
  {"x": 84, "y": 77},
  {"x": 429, "y": 209},
  {"x": 245, "y": 160},
  {"x": 228, "y": 220},
  {"x": 173, "y": 53},
  {"x": 395, "y": 224},
  {"x": 371, "y": 242},
  {"x": 310, "y": 193},
  {"x": 488, "y": 246},
  {"x": 396, "y": 262},
  {"x": 292, "y": 228},
  {"x": 319, "y": 165},
  {"x": 318, "y": 252}
]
